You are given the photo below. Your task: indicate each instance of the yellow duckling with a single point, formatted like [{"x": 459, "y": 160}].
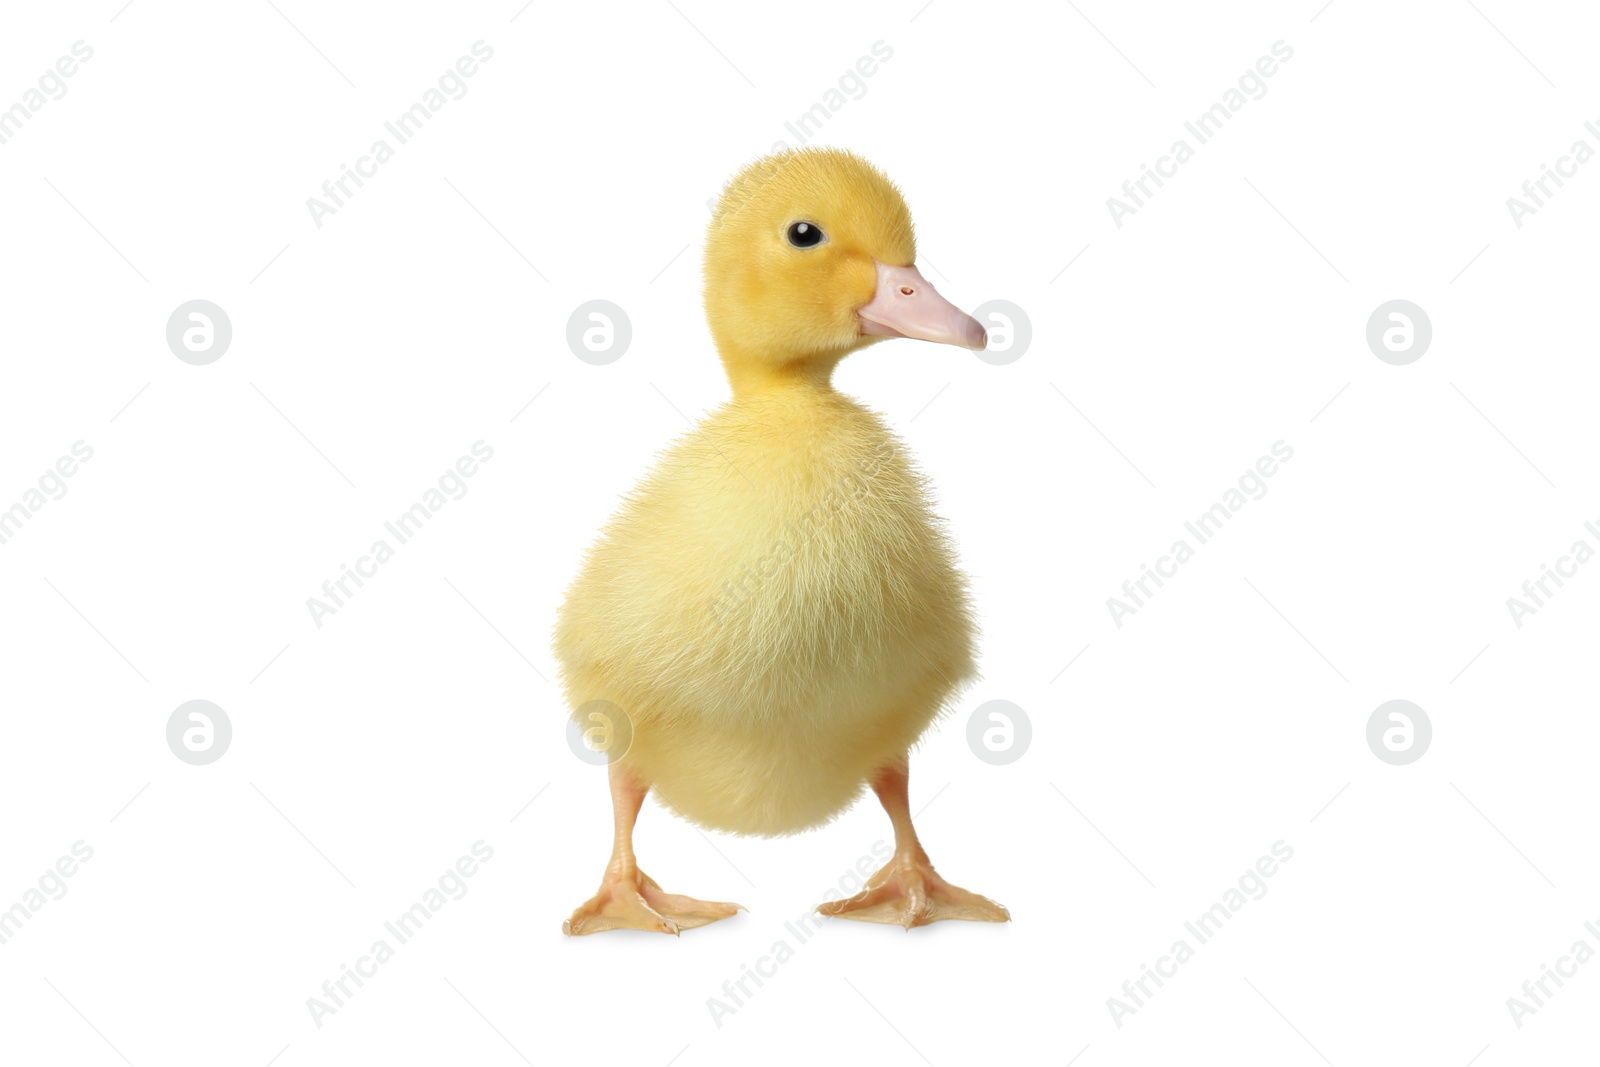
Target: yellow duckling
[{"x": 775, "y": 609}]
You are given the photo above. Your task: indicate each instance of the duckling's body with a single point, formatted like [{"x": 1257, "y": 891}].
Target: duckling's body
[{"x": 775, "y": 609}]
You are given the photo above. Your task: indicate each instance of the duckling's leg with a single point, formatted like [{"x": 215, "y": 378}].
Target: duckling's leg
[
  {"x": 629, "y": 899},
  {"x": 907, "y": 890}
]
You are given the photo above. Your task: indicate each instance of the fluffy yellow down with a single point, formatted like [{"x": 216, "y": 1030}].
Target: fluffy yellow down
[{"x": 775, "y": 606}]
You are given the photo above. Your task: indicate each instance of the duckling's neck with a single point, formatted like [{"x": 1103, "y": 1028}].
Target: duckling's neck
[{"x": 757, "y": 377}]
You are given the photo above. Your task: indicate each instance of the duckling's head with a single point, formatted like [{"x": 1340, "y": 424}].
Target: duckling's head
[{"x": 809, "y": 257}]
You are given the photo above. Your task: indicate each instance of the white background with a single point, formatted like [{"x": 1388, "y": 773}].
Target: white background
[{"x": 369, "y": 354}]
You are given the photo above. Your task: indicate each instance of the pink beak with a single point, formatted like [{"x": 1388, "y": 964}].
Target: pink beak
[{"x": 906, "y": 305}]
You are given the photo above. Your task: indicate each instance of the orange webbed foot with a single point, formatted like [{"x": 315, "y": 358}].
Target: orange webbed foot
[
  {"x": 909, "y": 892},
  {"x": 633, "y": 901}
]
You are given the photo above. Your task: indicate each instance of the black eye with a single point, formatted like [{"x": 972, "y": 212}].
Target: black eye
[{"x": 805, "y": 234}]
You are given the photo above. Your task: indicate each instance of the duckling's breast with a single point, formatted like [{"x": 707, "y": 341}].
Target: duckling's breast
[{"x": 776, "y": 609}]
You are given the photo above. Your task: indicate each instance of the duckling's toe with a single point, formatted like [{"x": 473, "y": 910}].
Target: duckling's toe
[
  {"x": 909, "y": 892},
  {"x": 633, "y": 901}
]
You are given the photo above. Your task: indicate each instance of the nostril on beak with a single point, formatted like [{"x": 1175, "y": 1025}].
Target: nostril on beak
[{"x": 906, "y": 290}]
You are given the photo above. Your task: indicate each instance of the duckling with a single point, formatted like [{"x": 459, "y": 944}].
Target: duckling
[{"x": 775, "y": 610}]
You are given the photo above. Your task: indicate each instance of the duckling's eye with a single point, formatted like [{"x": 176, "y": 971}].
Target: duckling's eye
[{"x": 805, "y": 234}]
